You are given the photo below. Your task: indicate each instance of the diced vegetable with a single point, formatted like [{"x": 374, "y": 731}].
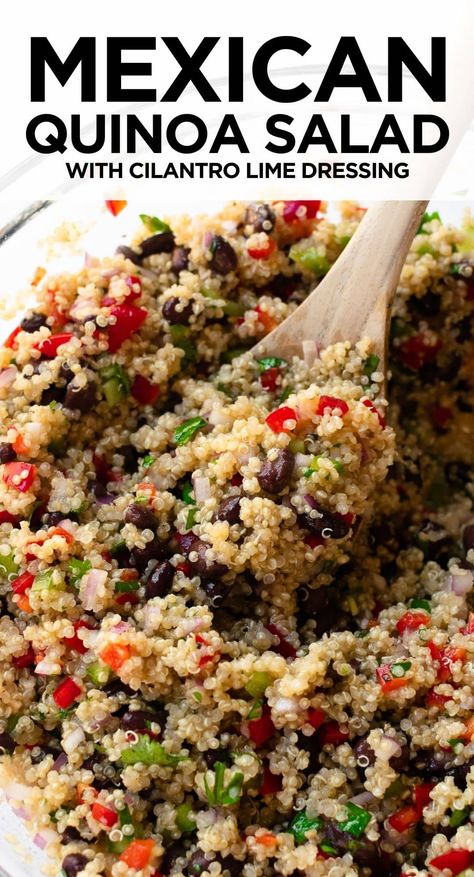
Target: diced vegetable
[
  {"x": 67, "y": 693},
  {"x": 115, "y": 383},
  {"x": 301, "y": 824},
  {"x": 75, "y": 642},
  {"x": 19, "y": 476},
  {"x": 310, "y": 258},
  {"x": 144, "y": 391},
  {"x": 220, "y": 794},
  {"x": 332, "y": 404},
  {"x": 270, "y": 362},
  {"x": 427, "y": 217},
  {"x": 148, "y": 461},
  {"x": 459, "y": 817},
  {"x": 446, "y": 657},
  {"x": 258, "y": 683},
  {"x": 187, "y": 430},
  {"x": 390, "y": 680},
  {"x": 357, "y": 820},
  {"x": 264, "y": 251},
  {"x": 48, "y": 580},
  {"x": 284, "y": 647},
  {"x": 262, "y": 728},
  {"x": 332, "y": 734},
  {"x": 180, "y": 336},
  {"x": 433, "y": 699},
  {"x": 49, "y": 346},
  {"x": 138, "y": 854},
  {"x": 115, "y": 207},
  {"x": 77, "y": 568},
  {"x": 271, "y": 783},
  {"x": 22, "y": 583},
  {"x": 404, "y": 818},
  {"x": 411, "y": 621},
  {"x": 128, "y": 320},
  {"x": 455, "y": 861},
  {"x": 421, "y": 796},
  {"x": 148, "y": 751},
  {"x": 371, "y": 364},
  {"x": 185, "y": 822},
  {"x": 98, "y": 674},
  {"x": 269, "y": 379},
  {"x": 368, "y": 404},
  {"x": 298, "y": 211},
  {"x": 154, "y": 224},
  {"x": 278, "y": 420},
  {"x": 115, "y": 655},
  {"x": 104, "y": 815},
  {"x": 316, "y": 718},
  {"x": 416, "y": 603}
]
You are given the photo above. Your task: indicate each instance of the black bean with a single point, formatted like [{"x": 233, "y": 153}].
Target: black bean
[
  {"x": 115, "y": 686},
  {"x": 177, "y": 311},
  {"x": 311, "y": 745},
  {"x": 66, "y": 372},
  {"x": 364, "y": 753},
  {"x": 52, "y": 394},
  {"x": 140, "y": 557},
  {"x": 81, "y": 399},
  {"x": 329, "y": 525},
  {"x": 123, "y": 557},
  {"x": 159, "y": 580},
  {"x": 130, "y": 254},
  {"x": 73, "y": 864},
  {"x": 468, "y": 537},
  {"x": 229, "y": 510},
  {"x": 33, "y": 322},
  {"x": 316, "y": 604},
  {"x": 130, "y": 458},
  {"x": 158, "y": 243},
  {"x": 136, "y": 720},
  {"x": 211, "y": 756},
  {"x": 283, "y": 286},
  {"x": 198, "y": 863},
  {"x": 460, "y": 773},
  {"x": 223, "y": 255},
  {"x": 209, "y": 569},
  {"x": 432, "y": 764},
  {"x": 180, "y": 259},
  {"x": 276, "y": 474},
  {"x": 141, "y": 516},
  {"x": 400, "y": 762},
  {"x": 215, "y": 592},
  {"x": 464, "y": 329},
  {"x": 428, "y": 305},
  {"x": 7, "y": 454},
  {"x": 70, "y": 835},
  {"x": 97, "y": 488},
  {"x": 233, "y": 866},
  {"x": 43, "y": 752},
  {"x": 175, "y": 851},
  {"x": 6, "y": 742},
  {"x": 260, "y": 216},
  {"x": 367, "y": 854}
]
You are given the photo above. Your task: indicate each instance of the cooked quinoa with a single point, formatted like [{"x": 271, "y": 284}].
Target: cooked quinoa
[{"x": 202, "y": 671}]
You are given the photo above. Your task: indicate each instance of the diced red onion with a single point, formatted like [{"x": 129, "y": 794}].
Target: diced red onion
[
  {"x": 460, "y": 583},
  {"x": 44, "y": 837},
  {"x": 21, "y": 812},
  {"x": 107, "y": 499},
  {"x": 206, "y": 241},
  {"x": 363, "y": 799},
  {"x": 60, "y": 761},
  {"x": 391, "y": 746},
  {"x": 73, "y": 740},
  {"x": 310, "y": 500},
  {"x": 202, "y": 488},
  {"x": 91, "y": 581},
  {"x": 310, "y": 352},
  {"x": 39, "y": 841},
  {"x": 121, "y": 627},
  {"x": 7, "y": 376}
]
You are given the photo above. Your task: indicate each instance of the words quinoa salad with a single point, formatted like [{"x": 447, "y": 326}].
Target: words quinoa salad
[{"x": 202, "y": 673}]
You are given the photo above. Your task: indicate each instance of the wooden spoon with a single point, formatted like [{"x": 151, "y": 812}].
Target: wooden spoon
[{"x": 354, "y": 299}]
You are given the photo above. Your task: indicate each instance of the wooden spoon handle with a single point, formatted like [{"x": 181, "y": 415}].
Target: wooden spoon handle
[{"x": 354, "y": 299}]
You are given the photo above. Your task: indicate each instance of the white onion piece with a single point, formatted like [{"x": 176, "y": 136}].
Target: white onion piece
[
  {"x": 363, "y": 799},
  {"x": 7, "y": 376},
  {"x": 302, "y": 460},
  {"x": 460, "y": 583},
  {"x": 90, "y": 582},
  {"x": 310, "y": 352},
  {"x": 73, "y": 740},
  {"x": 202, "y": 488},
  {"x": 47, "y": 668},
  {"x": 391, "y": 747}
]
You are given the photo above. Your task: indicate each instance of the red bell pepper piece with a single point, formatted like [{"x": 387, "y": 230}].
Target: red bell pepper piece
[
  {"x": 433, "y": 699},
  {"x": 144, "y": 391},
  {"x": 104, "y": 815},
  {"x": 454, "y": 860},
  {"x": 260, "y": 730},
  {"x": 128, "y": 319},
  {"x": 331, "y": 733},
  {"x": 388, "y": 682},
  {"x": 291, "y": 210},
  {"x": 266, "y": 319},
  {"x": 368, "y": 404},
  {"x": 271, "y": 783},
  {"x": 138, "y": 854},
  {"x": 468, "y": 629},
  {"x": 411, "y": 621},
  {"x": 66, "y": 693},
  {"x": 114, "y": 655},
  {"x": 49, "y": 346},
  {"x": 421, "y": 796},
  {"x": 20, "y": 476},
  {"x": 263, "y": 252},
  {"x": 316, "y": 718},
  {"x": 74, "y": 642},
  {"x": 115, "y": 207},
  {"x": 404, "y": 818},
  {"x": 313, "y": 541},
  {"x": 26, "y": 660},
  {"x": 269, "y": 379},
  {"x": 7, "y": 518},
  {"x": 21, "y": 584},
  {"x": 10, "y": 341},
  {"x": 332, "y": 403},
  {"x": 127, "y": 597},
  {"x": 418, "y": 350},
  {"x": 284, "y": 648},
  {"x": 276, "y": 419},
  {"x": 446, "y": 657}
]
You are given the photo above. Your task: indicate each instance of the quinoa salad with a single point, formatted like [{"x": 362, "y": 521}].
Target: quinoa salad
[{"x": 203, "y": 672}]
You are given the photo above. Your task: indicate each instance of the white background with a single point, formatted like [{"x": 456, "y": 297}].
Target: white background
[{"x": 32, "y": 176}]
